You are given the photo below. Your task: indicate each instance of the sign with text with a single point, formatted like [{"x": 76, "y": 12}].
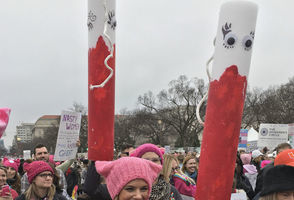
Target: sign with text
[
  {"x": 243, "y": 139},
  {"x": 270, "y": 135},
  {"x": 26, "y": 154},
  {"x": 166, "y": 149},
  {"x": 251, "y": 146},
  {"x": 68, "y": 135},
  {"x": 291, "y": 134}
]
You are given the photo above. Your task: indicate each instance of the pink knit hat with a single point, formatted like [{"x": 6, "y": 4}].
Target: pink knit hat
[
  {"x": 11, "y": 163},
  {"x": 37, "y": 167},
  {"x": 120, "y": 172},
  {"x": 4, "y": 117},
  {"x": 265, "y": 163},
  {"x": 246, "y": 158},
  {"x": 144, "y": 148}
]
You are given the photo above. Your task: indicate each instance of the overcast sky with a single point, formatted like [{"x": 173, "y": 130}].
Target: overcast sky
[{"x": 43, "y": 50}]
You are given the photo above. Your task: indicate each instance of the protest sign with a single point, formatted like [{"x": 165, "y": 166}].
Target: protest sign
[
  {"x": 243, "y": 139},
  {"x": 251, "y": 146},
  {"x": 166, "y": 149},
  {"x": 270, "y": 135},
  {"x": 68, "y": 134},
  {"x": 26, "y": 154},
  {"x": 239, "y": 196},
  {"x": 291, "y": 134}
]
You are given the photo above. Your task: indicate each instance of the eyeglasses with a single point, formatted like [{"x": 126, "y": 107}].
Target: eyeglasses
[
  {"x": 155, "y": 160},
  {"x": 46, "y": 175},
  {"x": 127, "y": 153},
  {"x": 175, "y": 169}
]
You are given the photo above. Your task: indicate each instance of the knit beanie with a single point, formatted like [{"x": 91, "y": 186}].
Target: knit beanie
[
  {"x": 265, "y": 163},
  {"x": 144, "y": 148},
  {"x": 120, "y": 172},
  {"x": 37, "y": 167},
  {"x": 286, "y": 157},
  {"x": 4, "y": 117},
  {"x": 246, "y": 158},
  {"x": 11, "y": 163},
  {"x": 278, "y": 179}
]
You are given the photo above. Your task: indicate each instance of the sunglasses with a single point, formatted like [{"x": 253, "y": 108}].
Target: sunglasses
[
  {"x": 127, "y": 153},
  {"x": 46, "y": 175},
  {"x": 175, "y": 169}
]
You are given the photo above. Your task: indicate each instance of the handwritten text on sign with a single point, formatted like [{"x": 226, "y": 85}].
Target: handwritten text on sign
[{"x": 68, "y": 134}]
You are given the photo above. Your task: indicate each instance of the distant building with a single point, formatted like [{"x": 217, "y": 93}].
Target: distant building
[
  {"x": 24, "y": 132},
  {"x": 43, "y": 123},
  {"x": 2, "y": 144}
]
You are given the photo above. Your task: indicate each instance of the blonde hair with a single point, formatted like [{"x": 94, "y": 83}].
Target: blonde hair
[
  {"x": 187, "y": 158},
  {"x": 31, "y": 192},
  {"x": 167, "y": 167}
]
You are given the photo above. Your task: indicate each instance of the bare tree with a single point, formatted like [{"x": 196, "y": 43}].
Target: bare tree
[{"x": 176, "y": 108}]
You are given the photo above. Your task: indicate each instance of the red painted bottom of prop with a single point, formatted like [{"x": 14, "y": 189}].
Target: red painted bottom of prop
[
  {"x": 100, "y": 104},
  {"x": 221, "y": 135}
]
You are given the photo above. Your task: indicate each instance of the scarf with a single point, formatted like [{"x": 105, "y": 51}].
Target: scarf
[
  {"x": 160, "y": 190},
  {"x": 192, "y": 176}
]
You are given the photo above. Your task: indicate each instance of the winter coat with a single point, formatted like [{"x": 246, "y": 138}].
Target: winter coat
[{"x": 183, "y": 185}]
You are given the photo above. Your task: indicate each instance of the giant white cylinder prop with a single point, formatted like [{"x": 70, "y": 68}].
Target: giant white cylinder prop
[
  {"x": 101, "y": 81},
  {"x": 232, "y": 57}
]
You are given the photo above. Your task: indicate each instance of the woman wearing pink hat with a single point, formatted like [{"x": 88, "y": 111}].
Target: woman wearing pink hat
[
  {"x": 161, "y": 190},
  {"x": 128, "y": 178},
  {"x": 13, "y": 178},
  {"x": 6, "y": 192},
  {"x": 40, "y": 176}
]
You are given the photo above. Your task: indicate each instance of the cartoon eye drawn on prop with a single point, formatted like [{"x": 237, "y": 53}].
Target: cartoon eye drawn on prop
[
  {"x": 230, "y": 39},
  {"x": 111, "y": 19},
  {"x": 248, "y": 41},
  {"x": 91, "y": 19}
]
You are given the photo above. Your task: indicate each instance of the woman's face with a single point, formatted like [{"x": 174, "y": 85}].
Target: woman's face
[
  {"x": 3, "y": 177},
  {"x": 191, "y": 165},
  {"x": 151, "y": 156},
  {"x": 44, "y": 179},
  {"x": 174, "y": 168},
  {"x": 134, "y": 190},
  {"x": 289, "y": 195},
  {"x": 11, "y": 173}
]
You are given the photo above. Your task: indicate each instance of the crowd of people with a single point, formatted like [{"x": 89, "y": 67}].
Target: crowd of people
[{"x": 145, "y": 172}]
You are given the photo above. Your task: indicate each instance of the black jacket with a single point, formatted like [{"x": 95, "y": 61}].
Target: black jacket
[{"x": 93, "y": 186}]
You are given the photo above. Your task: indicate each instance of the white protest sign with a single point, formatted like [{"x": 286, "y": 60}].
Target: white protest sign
[
  {"x": 239, "y": 196},
  {"x": 291, "y": 134},
  {"x": 26, "y": 154},
  {"x": 270, "y": 135},
  {"x": 68, "y": 134},
  {"x": 166, "y": 149},
  {"x": 251, "y": 146}
]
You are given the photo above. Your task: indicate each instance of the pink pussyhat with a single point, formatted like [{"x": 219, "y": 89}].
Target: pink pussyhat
[
  {"x": 4, "y": 117},
  {"x": 120, "y": 172}
]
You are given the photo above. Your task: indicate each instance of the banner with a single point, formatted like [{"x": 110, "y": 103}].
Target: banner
[
  {"x": 270, "y": 135},
  {"x": 243, "y": 139},
  {"x": 68, "y": 135}
]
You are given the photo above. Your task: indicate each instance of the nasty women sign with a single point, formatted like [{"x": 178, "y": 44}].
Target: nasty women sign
[{"x": 68, "y": 134}]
